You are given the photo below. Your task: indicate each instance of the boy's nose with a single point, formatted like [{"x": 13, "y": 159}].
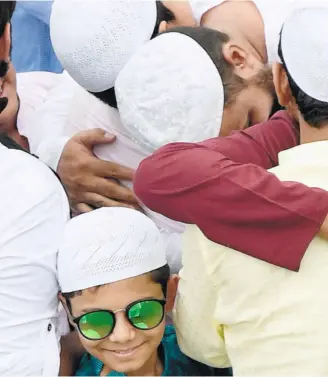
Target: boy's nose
[{"x": 123, "y": 330}]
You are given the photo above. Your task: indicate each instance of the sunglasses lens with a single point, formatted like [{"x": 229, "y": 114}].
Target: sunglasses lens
[
  {"x": 146, "y": 315},
  {"x": 96, "y": 325}
]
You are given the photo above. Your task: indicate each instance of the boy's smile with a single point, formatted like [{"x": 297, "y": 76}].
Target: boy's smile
[
  {"x": 126, "y": 349},
  {"x": 127, "y": 352}
]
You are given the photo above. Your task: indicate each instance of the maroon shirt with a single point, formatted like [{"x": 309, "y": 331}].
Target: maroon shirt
[{"x": 221, "y": 185}]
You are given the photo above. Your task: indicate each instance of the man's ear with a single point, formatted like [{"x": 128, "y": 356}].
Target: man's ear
[
  {"x": 64, "y": 303},
  {"x": 5, "y": 43},
  {"x": 172, "y": 287},
  {"x": 244, "y": 64},
  {"x": 281, "y": 85},
  {"x": 163, "y": 26}
]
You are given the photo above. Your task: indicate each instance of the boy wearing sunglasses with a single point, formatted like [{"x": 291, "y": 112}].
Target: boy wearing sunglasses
[{"x": 116, "y": 287}]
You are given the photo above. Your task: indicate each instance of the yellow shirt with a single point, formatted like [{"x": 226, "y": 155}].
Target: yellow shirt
[{"x": 264, "y": 320}]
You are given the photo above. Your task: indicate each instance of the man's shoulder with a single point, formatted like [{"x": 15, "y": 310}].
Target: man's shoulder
[
  {"x": 27, "y": 182},
  {"x": 17, "y": 164}
]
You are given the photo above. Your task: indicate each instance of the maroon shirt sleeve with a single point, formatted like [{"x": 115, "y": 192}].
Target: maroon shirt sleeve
[{"x": 221, "y": 186}]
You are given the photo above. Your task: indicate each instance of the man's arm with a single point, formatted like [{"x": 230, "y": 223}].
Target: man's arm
[
  {"x": 36, "y": 211},
  {"x": 221, "y": 186},
  {"x": 85, "y": 177}
]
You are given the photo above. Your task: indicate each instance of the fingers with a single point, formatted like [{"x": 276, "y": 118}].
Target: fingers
[
  {"x": 81, "y": 208},
  {"x": 109, "y": 169},
  {"x": 90, "y": 182},
  {"x": 98, "y": 201},
  {"x": 111, "y": 189},
  {"x": 90, "y": 138}
]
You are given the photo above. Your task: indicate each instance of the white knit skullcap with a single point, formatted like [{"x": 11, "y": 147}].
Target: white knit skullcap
[
  {"x": 177, "y": 94},
  {"x": 200, "y": 7},
  {"x": 304, "y": 44},
  {"x": 94, "y": 39},
  {"x": 108, "y": 245}
]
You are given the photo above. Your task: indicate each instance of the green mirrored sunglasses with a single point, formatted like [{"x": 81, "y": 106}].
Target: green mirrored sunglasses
[{"x": 142, "y": 314}]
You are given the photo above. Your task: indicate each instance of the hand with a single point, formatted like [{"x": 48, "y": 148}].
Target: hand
[{"x": 89, "y": 181}]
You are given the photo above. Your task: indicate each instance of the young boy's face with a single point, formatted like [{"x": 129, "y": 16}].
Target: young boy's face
[{"x": 126, "y": 349}]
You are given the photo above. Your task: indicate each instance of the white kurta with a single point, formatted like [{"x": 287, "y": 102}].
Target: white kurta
[
  {"x": 54, "y": 108},
  {"x": 87, "y": 112},
  {"x": 34, "y": 210}
]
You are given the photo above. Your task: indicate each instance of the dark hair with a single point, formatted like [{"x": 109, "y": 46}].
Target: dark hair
[
  {"x": 163, "y": 14},
  {"x": 7, "y": 9},
  {"x": 212, "y": 41},
  {"x": 160, "y": 276},
  {"x": 107, "y": 96},
  {"x": 276, "y": 106},
  {"x": 314, "y": 112}
]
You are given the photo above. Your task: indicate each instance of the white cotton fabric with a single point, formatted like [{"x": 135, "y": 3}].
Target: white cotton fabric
[
  {"x": 34, "y": 211},
  {"x": 108, "y": 245},
  {"x": 86, "y": 112},
  {"x": 44, "y": 104},
  {"x": 54, "y": 108},
  {"x": 94, "y": 39},
  {"x": 200, "y": 7},
  {"x": 304, "y": 43},
  {"x": 177, "y": 94}
]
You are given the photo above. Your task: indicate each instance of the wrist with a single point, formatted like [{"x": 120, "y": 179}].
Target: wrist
[{"x": 50, "y": 151}]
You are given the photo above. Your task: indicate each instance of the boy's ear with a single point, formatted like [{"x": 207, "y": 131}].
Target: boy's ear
[
  {"x": 281, "y": 85},
  {"x": 172, "y": 287},
  {"x": 64, "y": 303}
]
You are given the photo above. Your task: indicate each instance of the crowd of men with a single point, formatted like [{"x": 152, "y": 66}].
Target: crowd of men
[{"x": 164, "y": 204}]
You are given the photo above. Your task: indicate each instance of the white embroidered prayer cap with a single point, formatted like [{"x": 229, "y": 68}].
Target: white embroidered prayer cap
[
  {"x": 304, "y": 45},
  {"x": 93, "y": 39},
  {"x": 176, "y": 96},
  {"x": 200, "y": 7},
  {"x": 108, "y": 245}
]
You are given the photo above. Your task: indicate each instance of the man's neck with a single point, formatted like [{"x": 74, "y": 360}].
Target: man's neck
[{"x": 311, "y": 134}]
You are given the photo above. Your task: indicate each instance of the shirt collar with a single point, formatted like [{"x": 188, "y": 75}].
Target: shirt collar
[{"x": 315, "y": 153}]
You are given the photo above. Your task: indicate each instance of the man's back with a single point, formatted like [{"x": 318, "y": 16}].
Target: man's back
[
  {"x": 34, "y": 210},
  {"x": 88, "y": 112},
  {"x": 266, "y": 320}
]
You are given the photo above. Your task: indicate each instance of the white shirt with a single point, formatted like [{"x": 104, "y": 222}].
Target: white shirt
[
  {"x": 45, "y": 101},
  {"x": 87, "y": 112},
  {"x": 34, "y": 210},
  {"x": 37, "y": 92},
  {"x": 60, "y": 110}
]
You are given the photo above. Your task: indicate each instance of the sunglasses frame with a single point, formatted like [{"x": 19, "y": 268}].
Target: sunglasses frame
[{"x": 77, "y": 320}]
